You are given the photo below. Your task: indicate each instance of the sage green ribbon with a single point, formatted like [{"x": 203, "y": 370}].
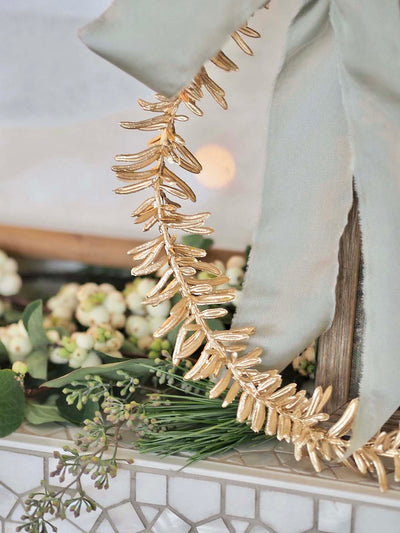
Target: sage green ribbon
[{"x": 335, "y": 114}]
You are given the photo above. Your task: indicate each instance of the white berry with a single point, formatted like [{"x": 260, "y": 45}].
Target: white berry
[
  {"x": 161, "y": 310},
  {"x": 56, "y": 358},
  {"x": 237, "y": 261},
  {"x": 10, "y": 283},
  {"x": 91, "y": 360},
  {"x": 144, "y": 285},
  {"x": 138, "y": 326},
  {"x": 83, "y": 340},
  {"x": 235, "y": 275}
]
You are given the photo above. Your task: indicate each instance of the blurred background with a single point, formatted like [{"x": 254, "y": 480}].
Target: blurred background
[{"x": 60, "y": 106}]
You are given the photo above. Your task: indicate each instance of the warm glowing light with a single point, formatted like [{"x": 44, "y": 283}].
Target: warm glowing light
[{"x": 218, "y": 166}]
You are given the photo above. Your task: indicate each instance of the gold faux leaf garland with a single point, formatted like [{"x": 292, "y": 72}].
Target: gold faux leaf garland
[{"x": 283, "y": 411}]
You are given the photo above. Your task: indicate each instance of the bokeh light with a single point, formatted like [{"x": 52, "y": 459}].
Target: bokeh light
[{"x": 218, "y": 166}]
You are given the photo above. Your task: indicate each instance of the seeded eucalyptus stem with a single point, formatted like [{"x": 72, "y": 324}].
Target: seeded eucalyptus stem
[{"x": 43, "y": 506}]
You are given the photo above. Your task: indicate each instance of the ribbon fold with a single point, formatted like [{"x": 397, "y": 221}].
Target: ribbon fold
[{"x": 335, "y": 113}]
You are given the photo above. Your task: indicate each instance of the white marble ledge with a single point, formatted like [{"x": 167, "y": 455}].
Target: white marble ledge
[
  {"x": 233, "y": 468},
  {"x": 251, "y": 490}
]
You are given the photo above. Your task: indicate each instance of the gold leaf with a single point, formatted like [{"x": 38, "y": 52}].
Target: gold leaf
[
  {"x": 211, "y": 367},
  {"x": 231, "y": 394},
  {"x": 145, "y": 246},
  {"x": 207, "y": 267},
  {"x": 160, "y": 284},
  {"x": 379, "y": 468},
  {"x": 298, "y": 451},
  {"x": 190, "y": 250},
  {"x": 314, "y": 402},
  {"x": 223, "y": 62},
  {"x": 221, "y": 385},
  {"x": 213, "y": 313},
  {"x": 194, "y": 109},
  {"x": 245, "y": 406},
  {"x": 135, "y": 187},
  {"x": 272, "y": 421},
  {"x": 326, "y": 450},
  {"x": 282, "y": 393},
  {"x": 174, "y": 191},
  {"x": 258, "y": 416},
  {"x": 156, "y": 123},
  {"x": 184, "y": 187},
  {"x": 343, "y": 425},
  {"x": 169, "y": 324},
  {"x": 241, "y": 43},
  {"x": 194, "y": 372},
  {"x": 131, "y": 175},
  {"x": 190, "y": 345},
  {"x": 360, "y": 462},
  {"x": 190, "y": 158},
  {"x": 145, "y": 155},
  {"x": 249, "y": 32},
  {"x": 217, "y": 297},
  {"x": 396, "y": 460},
  {"x": 269, "y": 384},
  {"x": 155, "y": 107},
  {"x": 151, "y": 255},
  {"x": 153, "y": 267},
  {"x": 314, "y": 457},
  {"x": 170, "y": 290}
]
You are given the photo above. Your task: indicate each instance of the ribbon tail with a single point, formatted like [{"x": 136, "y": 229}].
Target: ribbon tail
[
  {"x": 165, "y": 43},
  {"x": 368, "y": 33},
  {"x": 289, "y": 291}
]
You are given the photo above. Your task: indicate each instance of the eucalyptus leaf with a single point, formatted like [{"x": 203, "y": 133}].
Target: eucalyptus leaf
[
  {"x": 105, "y": 358},
  {"x": 3, "y": 353},
  {"x": 139, "y": 368},
  {"x": 131, "y": 348},
  {"x": 12, "y": 403},
  {"x": 198, "y": 241},
  {"x": 172, "y": 335},
  {"x": 33, "y": 322},
  {"x": 61, "y": 331},
  {"x": 37, "y": 363},
  {"x": 11, "y": 316},
  {"x": 216, "y": 324},
  {"x": 42, "y": 413},
  {"x": 74, "y": 415}
]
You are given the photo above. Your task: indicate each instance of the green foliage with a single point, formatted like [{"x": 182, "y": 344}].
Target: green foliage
[
  {"x": 12, "y": 403},
  {"x": 33, "y": 322},
  {"x": 197, "y": 241},
  {"x": 3, "y": 353},
  {"x": 216, "y": 324},
  {"x": 139, "y": 368},
  {"x": 75, "y": 415},
  {"x": 11, "y": 316},
  {"x": 171, "y": 423},
  {"x": 106, "y": 359},
  {"x": 42, "y": 413},
  {"x": 130, "y": 347},
  {"x": 37, "y": 363}
]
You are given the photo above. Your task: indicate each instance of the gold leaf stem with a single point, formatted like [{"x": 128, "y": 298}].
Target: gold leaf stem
[{"x": 282, "y": 411}]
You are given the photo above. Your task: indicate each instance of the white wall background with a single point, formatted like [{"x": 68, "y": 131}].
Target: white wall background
[{"x": 59, "y": 111}]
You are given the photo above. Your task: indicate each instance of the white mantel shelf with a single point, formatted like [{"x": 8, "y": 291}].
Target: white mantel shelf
[{"x": 254, "y": 490}]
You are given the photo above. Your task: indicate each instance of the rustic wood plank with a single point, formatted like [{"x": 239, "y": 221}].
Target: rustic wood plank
[
  {"x": 335, "y": 346},
  {"x": 89, "y": 249}
]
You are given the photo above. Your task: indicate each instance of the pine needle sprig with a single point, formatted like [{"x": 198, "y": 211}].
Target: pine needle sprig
[{"x": 190, "y": 423}]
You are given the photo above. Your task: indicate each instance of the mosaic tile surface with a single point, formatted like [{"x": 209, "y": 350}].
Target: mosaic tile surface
[{"x": 167, "y": 499}]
